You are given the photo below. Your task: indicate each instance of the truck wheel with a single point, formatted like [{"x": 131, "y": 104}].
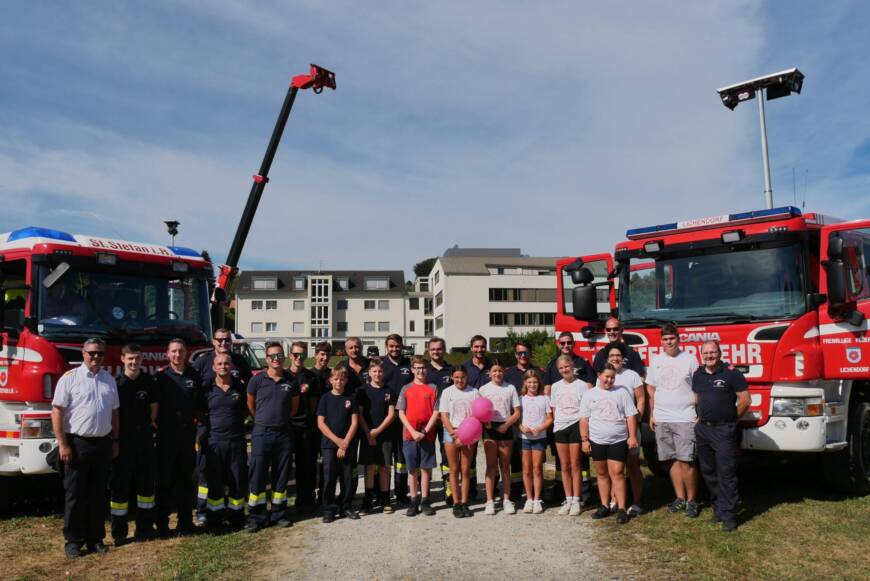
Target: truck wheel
[
  {"x": 650, "y": 454},
  {"x": 848, "y": 471}
]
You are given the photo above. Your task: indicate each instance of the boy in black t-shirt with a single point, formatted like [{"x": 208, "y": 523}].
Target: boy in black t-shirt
[
  {"x": 377, "y": 411},
  {"x": 337, "y": 419}
]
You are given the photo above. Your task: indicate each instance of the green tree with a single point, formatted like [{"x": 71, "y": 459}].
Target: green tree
[{"x": 424, "y": 267}]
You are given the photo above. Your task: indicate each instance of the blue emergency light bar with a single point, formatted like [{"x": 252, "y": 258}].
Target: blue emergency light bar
[
  {"x": 37, "y": 232},
  {"x": 725, "y": 219}
]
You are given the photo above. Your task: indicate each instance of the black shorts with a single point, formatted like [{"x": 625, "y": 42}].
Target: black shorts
[
  {"x": 381, "y": 454},
  {"x": 569, "y": 435},
  {"x": 617, "y": 452},
  {"x": 493, "y": 434}
]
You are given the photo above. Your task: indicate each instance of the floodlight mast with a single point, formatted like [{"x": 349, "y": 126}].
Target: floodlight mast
[{"x": 778, "y": 85}]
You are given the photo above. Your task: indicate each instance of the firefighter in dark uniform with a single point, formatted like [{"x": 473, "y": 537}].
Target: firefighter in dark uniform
[
  {"x": 584, "y": 372},
  {"x": 135, "y": 466},
  {"x": 319, "y": 377},
  {"x": 179, "y": 405},
  {"x": 721, "y": 396},
  {"x": 357, "y": 375},
  {"x": 273, "y": 399},
  {"x": 514, "y": 376},
  {"x": 439, "y": 373},
  {"x": 303, "y": 425},
  {"x": 613, "y": 331},
  {"x": 397, "y": 374},
  {"x": 223, "y": 343},
  {"x": 226, "y": 460},
  {"x": 477, "y": 370}
]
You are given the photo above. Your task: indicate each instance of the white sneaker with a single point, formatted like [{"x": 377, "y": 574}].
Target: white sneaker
[
  {"x": 509, "y": 506},
  {"x": 529, "y": 507},
  {"x": 565, "y": 508},
  {"x": 538, "y": 507},
  {"x": 489, "y": 508},
  {"x": 575, "y": 509}
]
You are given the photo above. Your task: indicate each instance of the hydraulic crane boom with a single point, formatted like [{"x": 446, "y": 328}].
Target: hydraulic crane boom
[{"x": 317, "y": 79}]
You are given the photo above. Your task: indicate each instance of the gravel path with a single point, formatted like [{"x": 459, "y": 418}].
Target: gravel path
[{"x": 379, "y": 546}]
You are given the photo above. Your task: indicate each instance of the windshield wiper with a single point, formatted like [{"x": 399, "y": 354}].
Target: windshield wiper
[{"x": 640, "y": 322}]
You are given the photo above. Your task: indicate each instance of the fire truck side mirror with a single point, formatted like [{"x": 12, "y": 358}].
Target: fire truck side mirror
[
  {"x": 585, "y": 303},
  {"x": 582, "y": 275},
  {"x": 836, "y": 271},
  {"x": 835, "y": 247}
]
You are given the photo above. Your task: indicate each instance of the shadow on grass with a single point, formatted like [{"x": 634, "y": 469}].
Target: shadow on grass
[{"x": 37, "y": 495}]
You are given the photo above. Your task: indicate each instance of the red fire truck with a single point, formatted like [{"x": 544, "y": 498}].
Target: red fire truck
[
  {"x": 58, "y": 289},
  {"x": 786, "y": 293}
]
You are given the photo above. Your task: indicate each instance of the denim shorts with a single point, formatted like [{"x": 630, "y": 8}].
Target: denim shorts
[
  {"x": 419, "y": 454},
  {"x": 538, "y": 445}
]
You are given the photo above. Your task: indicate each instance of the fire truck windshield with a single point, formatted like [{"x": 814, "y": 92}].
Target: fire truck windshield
[
  {"x": 715, "y": 285},
  {"x": 86, "y": 302}
]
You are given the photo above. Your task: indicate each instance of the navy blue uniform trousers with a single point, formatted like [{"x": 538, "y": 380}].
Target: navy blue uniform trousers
[
  {"x": 717, "y": 456},
  {"x": 85, "y": 483},
  {"x": 270, "y": 466}
]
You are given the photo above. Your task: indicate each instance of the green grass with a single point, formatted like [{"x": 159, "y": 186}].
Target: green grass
[
  {"x": 210, "y": 557},
  {"x": 789, "y": 529}
]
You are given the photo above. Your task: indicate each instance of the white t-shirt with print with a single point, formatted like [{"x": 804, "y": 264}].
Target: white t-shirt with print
[
  {"x": 535, "y": 410},
  {"x": 628, "y": 380},
  {"x": 457, "y": 403},
  {"x": 504, "y": 399},
  {"x": 672, "y": 379},
  {"x": 607, "y": 410},
  {"x": 565, "y": 399}
]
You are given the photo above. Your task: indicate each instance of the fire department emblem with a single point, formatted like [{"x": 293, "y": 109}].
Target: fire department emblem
[
  {"x": 853, "y": 355},
  {"x": 4, "y": 376}
]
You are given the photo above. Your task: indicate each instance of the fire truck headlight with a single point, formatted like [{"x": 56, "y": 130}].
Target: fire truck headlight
[
  {"x": 36, "y": 428},
  {"x": 788, "y": 406}
]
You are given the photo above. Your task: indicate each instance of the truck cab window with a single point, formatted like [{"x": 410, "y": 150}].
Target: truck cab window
[{"x": 12, "y": 281}]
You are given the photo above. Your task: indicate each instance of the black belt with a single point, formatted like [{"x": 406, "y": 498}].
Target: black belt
[
  {"x": 88, "y": 437},
  {"x": 716, "y": 424}
]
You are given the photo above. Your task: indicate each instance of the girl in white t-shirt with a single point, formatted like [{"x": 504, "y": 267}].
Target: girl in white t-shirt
[
  {"x": 608, "y": 428},
  {"x": 565, "y": 397},
  {"x": 498, "y": 436},
  {"x": 537, "y": 418},
  {"x": 455, "y": 405},
  {"x": 631, "y": 381}
]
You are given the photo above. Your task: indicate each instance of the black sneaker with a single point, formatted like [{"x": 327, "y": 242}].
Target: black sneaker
[
  {"x": 692, "y": 509},
  {"x": 621, "y": 517},
  {"x": 328, "y": 518},
  {"x": 715, "y": 519},
  {"x": 466, "y": 512},
  {"x": 729, "y": 526},
  {"x": 427, "y": 508},
  {"x": 72, "y": 551},
  {"x": 413, "y": 509},
  {"x": 457, "y": 510},
  {"x": 121, "y": 541},
  {"x": 284, "y": 523},
  {"x": 351, "y": 514},
  {"x": 602, "y": 512},
  {"x": 366, "y": 507},
  {"x": 677, "y": 505},
  {"x": 99, "y": 547},
  {"x": 252, "y": 527}
]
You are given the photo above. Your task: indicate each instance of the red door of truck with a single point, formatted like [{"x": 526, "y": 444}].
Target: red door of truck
[{"x": 601, "y": 265}]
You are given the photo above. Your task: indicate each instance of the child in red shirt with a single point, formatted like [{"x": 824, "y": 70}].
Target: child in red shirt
[{"x": 417, "y": 412}]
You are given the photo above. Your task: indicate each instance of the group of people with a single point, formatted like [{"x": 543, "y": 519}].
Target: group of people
[{"x": 152, "y": 435}]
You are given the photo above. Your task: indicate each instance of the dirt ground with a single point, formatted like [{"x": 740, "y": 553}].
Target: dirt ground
[{"x": 382, "y": 546}]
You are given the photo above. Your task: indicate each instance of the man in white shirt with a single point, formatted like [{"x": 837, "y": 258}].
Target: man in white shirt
[
  {"x": 673, "y": 417},
  {"x": 84, "y": 414}
]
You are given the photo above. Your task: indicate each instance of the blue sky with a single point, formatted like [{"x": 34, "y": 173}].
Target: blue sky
[{"x": 551, "y": 126}]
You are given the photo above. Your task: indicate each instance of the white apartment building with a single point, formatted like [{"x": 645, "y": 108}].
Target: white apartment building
[{"x": 483, "y": 291}]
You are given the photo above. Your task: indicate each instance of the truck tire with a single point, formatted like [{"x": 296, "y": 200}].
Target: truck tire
[
  {"x": 848, "y": 471},
  {"x": 650, "y": 454}
]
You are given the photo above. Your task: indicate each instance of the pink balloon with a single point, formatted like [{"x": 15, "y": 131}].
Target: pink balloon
[
  {"x": 469, "y": 431},
  {"x": 481, "y": 408}
]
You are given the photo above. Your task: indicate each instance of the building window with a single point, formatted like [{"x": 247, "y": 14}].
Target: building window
[
  {"x": 320, "y": 332},
  {"x": 343, "y": 283},
  {"x": 299, "y": 283},
  {"x": 428, "y": 327},
  {"x": 424, "y": 285},
  {"x": 411, "y": 326},
  {"x": 256, "y": 305},
  {"x": 319, "y": 315},
  {"x": 414, "y": 304},
  {"x": 319, "y": 289},
  {"x": 384, "y": 326},
  {"x": 370, "y": 305},
  {"x": 256, "y": 327},
  {"x": 427, "y": 306},
  {"x": 377, "y": 283},
  {"x": 271, "y": 305},
  {"x": 341, "y": 326},
  {"x": 369, "y": 326},
  {"x": 521, "y": 319},
  {"x": 264, "y": 283},
  {"x": 298, "y": 328},
  {"x": 341, "y": 304},
  {"x": 271, "y": 327},
  {"x": 383, "y": 305},
  {"x": 298, "y": 305},
  {"x": 439, "y": 299},
  {"x": 523, "y": 295}
]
